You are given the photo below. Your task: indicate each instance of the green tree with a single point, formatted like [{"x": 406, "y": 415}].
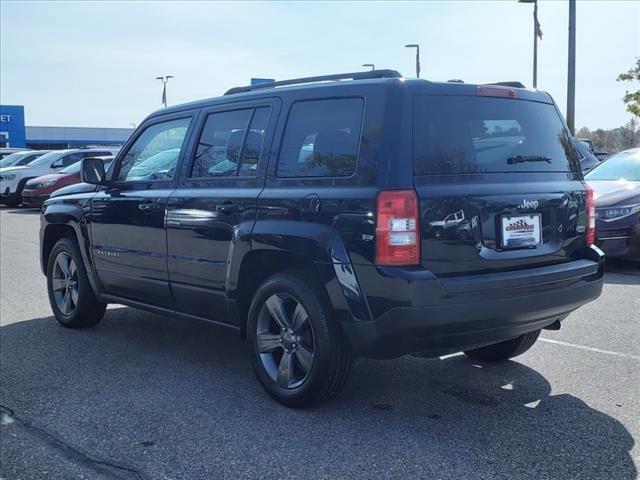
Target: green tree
[{"x": 632, "y": 99}]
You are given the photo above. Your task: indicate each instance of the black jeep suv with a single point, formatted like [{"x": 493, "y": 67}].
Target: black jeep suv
[{"x": 331, "y": 217}]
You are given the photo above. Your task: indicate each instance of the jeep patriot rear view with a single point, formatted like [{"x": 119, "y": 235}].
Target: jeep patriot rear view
[{"x": 332, "y": 217}]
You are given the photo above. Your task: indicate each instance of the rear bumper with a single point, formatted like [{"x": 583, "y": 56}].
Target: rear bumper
[{"x": 443, "y": 316}]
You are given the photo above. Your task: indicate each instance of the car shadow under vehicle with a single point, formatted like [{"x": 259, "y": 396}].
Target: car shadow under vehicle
[
  {"x": 20, "y": 210},
  {"x": 178, "y": 399},
  {"x": 624, "y": 267}
]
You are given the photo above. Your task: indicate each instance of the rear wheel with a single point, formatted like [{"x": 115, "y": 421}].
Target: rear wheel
[
  {"x": 299, "y": 353},
  {"x": 70, "y": 295},
  {"x": 505, "y": 350}
]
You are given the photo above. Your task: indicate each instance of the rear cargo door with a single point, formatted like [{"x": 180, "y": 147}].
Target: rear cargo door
[{"x": 499, "y": 183}]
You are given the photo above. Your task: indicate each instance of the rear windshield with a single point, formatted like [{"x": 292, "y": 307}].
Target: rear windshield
[{"x": 464, "y": 134}]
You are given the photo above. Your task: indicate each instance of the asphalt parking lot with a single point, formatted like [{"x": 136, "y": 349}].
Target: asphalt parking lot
[{"x": 142, "y": 396}]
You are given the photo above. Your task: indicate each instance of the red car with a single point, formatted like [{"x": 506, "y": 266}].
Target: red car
[{"x": 37, "y": 190}]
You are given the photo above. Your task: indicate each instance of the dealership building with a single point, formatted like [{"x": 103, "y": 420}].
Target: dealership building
[{"x": 15, "y": 134}]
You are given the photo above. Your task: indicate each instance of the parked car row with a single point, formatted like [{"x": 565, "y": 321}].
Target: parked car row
[
  {"x": 6, "y": 151},
  {"x": 21, "y": 157},
  {"x": 30, "y": 165}
]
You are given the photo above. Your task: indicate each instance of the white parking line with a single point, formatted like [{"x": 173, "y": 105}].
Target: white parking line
[{"x": 591, "y": 349}]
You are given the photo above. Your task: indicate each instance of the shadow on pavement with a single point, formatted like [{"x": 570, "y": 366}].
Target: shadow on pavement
[
  {"x": 179, "y": 400},
  {"x": 622, "y": 272}
]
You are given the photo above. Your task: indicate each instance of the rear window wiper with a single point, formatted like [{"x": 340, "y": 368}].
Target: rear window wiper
[{"x": 528, "y": 158}]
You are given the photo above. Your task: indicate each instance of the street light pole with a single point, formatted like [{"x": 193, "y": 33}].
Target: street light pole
[
  {"x": 536, "y": 32},
  {"x": 535, "y": 44},
  {"x": 164, "y": 81},
  {"x": 371, "y": 65},
  {"x": 571, "y": 70},
  {"x": 417, "y": 47}
]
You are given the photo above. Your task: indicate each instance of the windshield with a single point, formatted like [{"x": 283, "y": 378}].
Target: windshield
[
  {"x": 48, "y": 158},
  {"x": 622, "y": 166},
  {"x": 468, "y": 134},
  {"x": 12, "y": 159}
]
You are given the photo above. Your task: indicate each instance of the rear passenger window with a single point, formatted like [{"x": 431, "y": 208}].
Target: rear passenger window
[
  {"x": 226, "y": 147},
  {"x": 322, "y": 138}
]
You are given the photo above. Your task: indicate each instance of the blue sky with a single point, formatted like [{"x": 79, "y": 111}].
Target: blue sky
[{"x": 94, "y": 64}]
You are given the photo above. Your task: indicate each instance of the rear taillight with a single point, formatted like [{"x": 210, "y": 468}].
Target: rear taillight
[
  {"x": 591, "y": 217},
  {"x": 496, "y": 92},
  {"x": 397, "y": 228}
]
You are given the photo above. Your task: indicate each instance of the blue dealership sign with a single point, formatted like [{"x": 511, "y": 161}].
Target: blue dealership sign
[
  {"x": 12, "y": 131},
  {"x": 258, "y": 81}
]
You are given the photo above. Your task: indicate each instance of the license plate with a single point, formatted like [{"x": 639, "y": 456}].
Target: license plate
[{"x": 521, "y": 231}]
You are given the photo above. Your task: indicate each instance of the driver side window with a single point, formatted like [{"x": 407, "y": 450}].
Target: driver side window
[{"x": 154, "y": 155}]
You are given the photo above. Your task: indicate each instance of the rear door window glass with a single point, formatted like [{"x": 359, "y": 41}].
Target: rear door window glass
[
  {"x": 465, "y": 134},
  {"x": 322, "y": 138}
]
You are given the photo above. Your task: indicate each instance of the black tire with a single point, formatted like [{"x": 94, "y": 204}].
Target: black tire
[
  {"x": 504, "y": 350},
  {"x": 85, "y": 310},
  {"x": 11, "y": 201},
  {"x": 331, "y": 353},
  {"x": 19, "y": 190}
]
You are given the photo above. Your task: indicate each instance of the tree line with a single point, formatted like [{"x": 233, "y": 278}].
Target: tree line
[{"x": 615, "y": 139}]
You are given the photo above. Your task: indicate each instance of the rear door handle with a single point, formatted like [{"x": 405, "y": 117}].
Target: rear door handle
[{"x": 229, "y": 208}]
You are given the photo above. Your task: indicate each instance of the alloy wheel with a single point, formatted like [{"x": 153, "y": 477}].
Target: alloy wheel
[
  {"x": 64, "y": 283},
  {"x": 285, "y": 340}
]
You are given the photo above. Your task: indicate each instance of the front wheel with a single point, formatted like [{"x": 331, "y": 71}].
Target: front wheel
[
  {"x": 299, "y": 353},
  {"x": 11, "y": 200},
  {"x": 70, "y": 295},
  {"x": 504, "y": 350}
]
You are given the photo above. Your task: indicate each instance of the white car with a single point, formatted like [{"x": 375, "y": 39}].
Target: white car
[{"x": 13, "y": 179}]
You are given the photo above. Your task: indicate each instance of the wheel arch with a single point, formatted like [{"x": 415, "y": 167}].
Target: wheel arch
[
  {"x": 314, "y": 250},
  {"x": 60, "y": 220}
]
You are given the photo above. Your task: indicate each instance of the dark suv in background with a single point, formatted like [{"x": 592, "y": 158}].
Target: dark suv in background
[{"x": 339, "y": 216}]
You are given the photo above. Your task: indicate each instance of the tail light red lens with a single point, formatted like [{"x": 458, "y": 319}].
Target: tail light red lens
[
  {"x": 397, "y": 228},
  {"x": 591, "y": 217},
  {"x": 496, "y": 92}
]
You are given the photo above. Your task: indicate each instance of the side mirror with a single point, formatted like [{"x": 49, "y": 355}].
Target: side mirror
[
  {"x": 57, "y": 164},
  {"x": 92, "y": 171}
]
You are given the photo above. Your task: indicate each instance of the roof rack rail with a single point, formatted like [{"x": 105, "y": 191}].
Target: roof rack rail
[
  {"x": 508, "y": 84},
  {"x": 322, "y": 78}
]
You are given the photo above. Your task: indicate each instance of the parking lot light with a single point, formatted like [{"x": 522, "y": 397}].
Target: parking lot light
[
  {"x": 537, "y": 32},
  {"x": 164, "y": 81},
  {"x": 417, "y": 47}
]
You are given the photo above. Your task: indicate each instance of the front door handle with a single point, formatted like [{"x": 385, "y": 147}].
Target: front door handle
[
  {"x": 229, "y": 208},
  {"x": 148, "y": 207}
]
